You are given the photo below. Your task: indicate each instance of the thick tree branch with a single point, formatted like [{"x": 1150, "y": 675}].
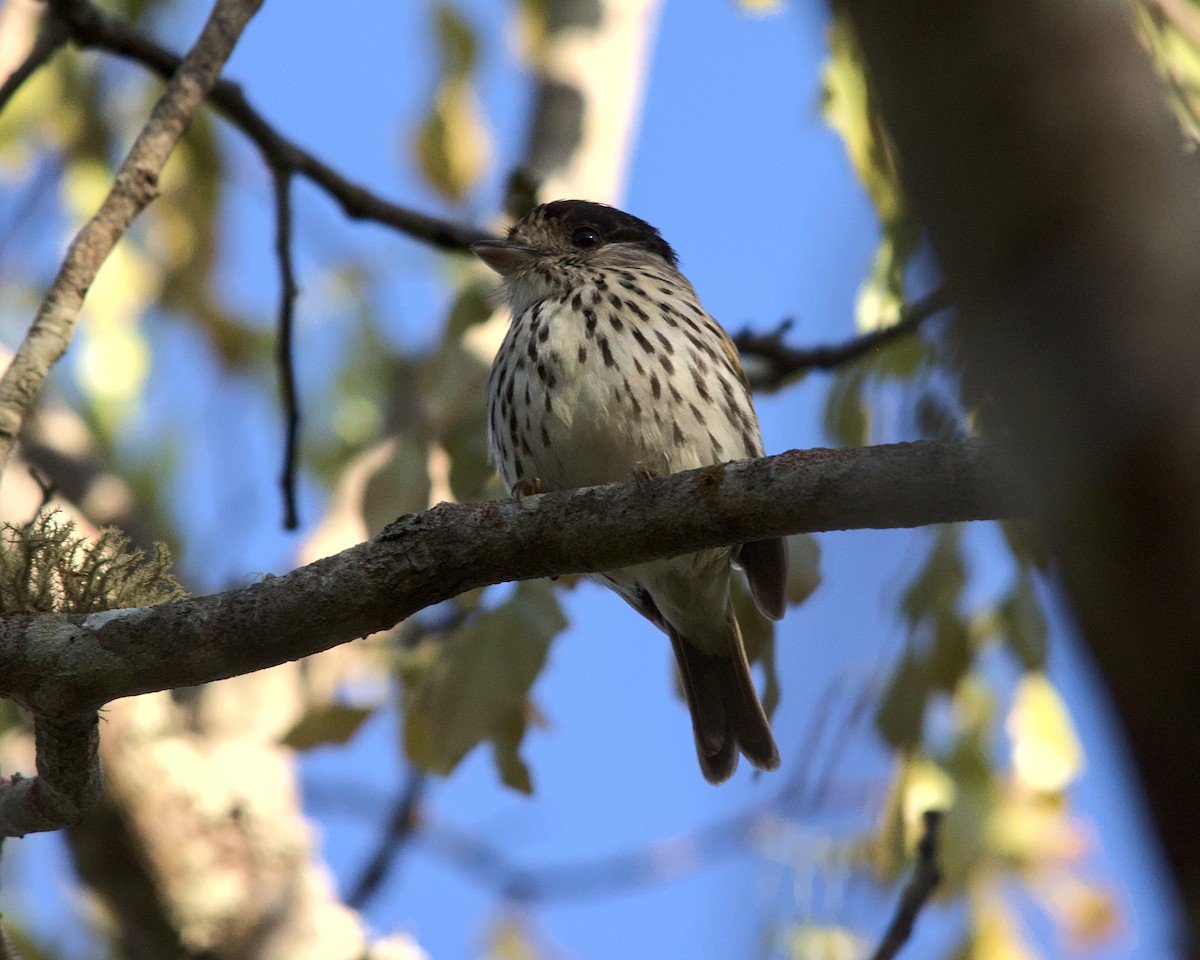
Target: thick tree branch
[
  {"x": 1038, "y": 152},
  {"x": 135, "y": 186},
  {"x": 90, "y": 27},
  {"x": 71, "y": 664}
]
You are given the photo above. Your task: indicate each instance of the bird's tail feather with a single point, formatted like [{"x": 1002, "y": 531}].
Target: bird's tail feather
[{"x": 727, "y": 717}]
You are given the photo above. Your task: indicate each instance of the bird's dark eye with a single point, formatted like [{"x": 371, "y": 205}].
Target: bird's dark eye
[{"x": 586, "y": 238}]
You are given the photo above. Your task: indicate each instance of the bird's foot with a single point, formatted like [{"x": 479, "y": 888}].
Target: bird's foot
[{"x": 527, "y": 488}]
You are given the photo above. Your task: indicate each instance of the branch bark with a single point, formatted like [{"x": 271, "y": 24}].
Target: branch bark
[
  {"x": 65, "y": 664},
  {"x": 135, "y": 186},
  {"x": 1035, "y": 144}
]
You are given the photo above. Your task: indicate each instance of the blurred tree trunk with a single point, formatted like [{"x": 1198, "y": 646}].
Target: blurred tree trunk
[{"x": 1040, "y": 157}]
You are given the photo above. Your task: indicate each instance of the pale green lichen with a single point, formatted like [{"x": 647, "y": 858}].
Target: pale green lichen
[{"x": 47, "y": 566}]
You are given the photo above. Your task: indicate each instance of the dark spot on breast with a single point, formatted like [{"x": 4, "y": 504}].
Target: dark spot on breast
[
  {"x": 677, "y": 434},
  {"x": 666, "y": 343},
  {"x": 642, "y": 341},
  {"x": 696, "y": 413},
  {"x": 614, "y": 300},
  {"x": 541, "y": 371},
  {"x": 701, "y": 387},
  {"x": 715, "y": 444},
  {"x": 577, "y": 301},
  {"x": 666, "y": 363},
  {"x": 633, "y": 305},
  {"x": 675, "y": 394},
  {"x": 606, "y": 352},
  {"x": 589, "y": 315},
  {"x": 616, "y": 322},
  {"x": 582, "y": 356},
  {"x": 637, "y": 365},
  {"x": 546, "y": 435},
  {"x": 655, "y": 386}
]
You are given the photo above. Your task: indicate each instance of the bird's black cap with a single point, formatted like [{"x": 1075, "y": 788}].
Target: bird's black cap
[{"x": 613, "y": 225}]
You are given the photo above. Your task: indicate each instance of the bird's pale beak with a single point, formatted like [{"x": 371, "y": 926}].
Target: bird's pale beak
[{"x": 503, "y": 256}]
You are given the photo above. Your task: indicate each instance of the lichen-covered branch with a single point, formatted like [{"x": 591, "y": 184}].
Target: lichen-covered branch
[
  {"x": 64, "y": 664},
  {"x": 134, "y": 187}
]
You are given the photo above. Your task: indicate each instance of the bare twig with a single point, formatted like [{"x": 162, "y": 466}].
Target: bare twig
[
  {"x": 283, "y": 342},
  {"x": 90, "y": 27},
  {"x": 784, "y": 363},
  {"x": 134, "y": 187},
  {"x": 53, "y": 35},
  {"x": 925, "y": 878},
  {"x": 647, "y": 864},
  {"x": 70, "y": 664}
]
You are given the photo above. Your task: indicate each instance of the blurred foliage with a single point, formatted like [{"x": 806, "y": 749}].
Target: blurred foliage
[
  {"x": 472, "y": 683},
  {"x": 1177, "y": 60},
  {"x": 451, "y": 144}
]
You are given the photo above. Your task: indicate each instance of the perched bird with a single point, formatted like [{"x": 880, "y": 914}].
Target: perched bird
[{"x": 610, "y": 370}]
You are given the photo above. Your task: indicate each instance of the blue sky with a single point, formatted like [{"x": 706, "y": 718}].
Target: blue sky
[{"x": 735, "y": 167}]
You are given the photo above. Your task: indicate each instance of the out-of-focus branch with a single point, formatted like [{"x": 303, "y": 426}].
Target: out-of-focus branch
[
  {"x": 89, "y": 27},
  {"x": 65, "y": 664},
  {"x": 925, "y": 878},
  {"x": 49, "y": 39},
  {"x": 784, "y": 363},
  {"x": 1038, "y": 152},
  {"x": 283, "y": 343},
  {"x": 135, "y": 186}
]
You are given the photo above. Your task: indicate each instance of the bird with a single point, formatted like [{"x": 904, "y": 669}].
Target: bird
[{"x": 611, "y": 370}]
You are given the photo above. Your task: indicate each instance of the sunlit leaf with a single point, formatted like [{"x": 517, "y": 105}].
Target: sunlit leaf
[
  {"x": 1047, "y": 754},
  {"x": 818, "y": 942}
]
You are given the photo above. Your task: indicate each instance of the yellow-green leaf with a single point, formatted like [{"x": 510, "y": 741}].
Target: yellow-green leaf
[
  {"x": 482, "y": 673},
  {"x": 1047, "y": 754},
  {"x": 333, "y": 723}
]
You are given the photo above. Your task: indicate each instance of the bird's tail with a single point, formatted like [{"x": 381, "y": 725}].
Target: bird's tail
[{"x": 727, "y": 717}]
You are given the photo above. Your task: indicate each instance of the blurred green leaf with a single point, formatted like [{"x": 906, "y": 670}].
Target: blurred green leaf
[
  {"x": 938, "y": 585},
  {"x": 847, "y": 419},
  {"x": 506, "y": 746},
  {"x": 400, "y": 486},
  {"x": 451, "y": 143},
  {"x": 950, "y": 656},
  {"x": 1023, "y": 624},
  {"x": 329, "y": 724},
  {"x": 482, "y": 673},
  {"x": 900, "y": 715}
]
